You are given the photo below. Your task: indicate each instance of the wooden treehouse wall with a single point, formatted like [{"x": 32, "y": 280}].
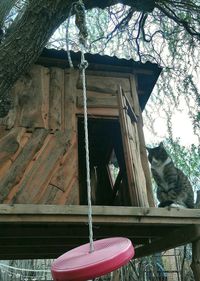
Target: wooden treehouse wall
[{"x": 39, "y": 138}]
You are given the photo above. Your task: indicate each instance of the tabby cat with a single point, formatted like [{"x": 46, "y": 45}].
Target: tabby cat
[{"x": 173, "y": 187}]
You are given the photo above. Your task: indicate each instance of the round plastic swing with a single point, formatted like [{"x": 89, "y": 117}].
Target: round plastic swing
[{"x": 80, "y": 265}]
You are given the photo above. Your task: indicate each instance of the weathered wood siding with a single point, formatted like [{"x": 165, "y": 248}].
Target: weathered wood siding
[
  {"x": 38, "y": 147},
  {"x": 38, "y": 138}
]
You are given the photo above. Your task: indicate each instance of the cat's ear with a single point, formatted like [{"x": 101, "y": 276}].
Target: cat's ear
[{"x": 161, "y": 144}]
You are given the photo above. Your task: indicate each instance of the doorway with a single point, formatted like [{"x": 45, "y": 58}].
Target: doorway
[{"x": 107, "y": 166}]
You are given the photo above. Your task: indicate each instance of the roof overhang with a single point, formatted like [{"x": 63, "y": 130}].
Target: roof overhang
[{"x": 146, "y": 73}]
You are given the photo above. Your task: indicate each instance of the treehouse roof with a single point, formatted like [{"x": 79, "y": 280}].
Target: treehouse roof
[{"x": 146, "y": 73}]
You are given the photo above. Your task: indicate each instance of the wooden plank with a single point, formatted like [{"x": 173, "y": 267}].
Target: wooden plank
[
  {"x": 110, "y": 74},
  {"x": 144, "y": 161},
  {"x": 104, "y": 84},
  {"x": 48, "y": 240},
  {"x": 33, "y": 231},
  {"x": 10, "y": 146},
  {"x": 9, "y": 143},
  {"x": 135, "y": 174},
  {"x": 32, "y": 209},
  {"x": 64, "y": 182},
  {"x": 143, "y": 154},
  {"x": 172, "y": 240},
  {"x": 40, "y": 233},
  {"x": 99, "y": 220},
  {"x": 134, "y": 95},
  {"x": 34, "y": 183},
  {"x": 97, "y": 100},
  {"x": 70, "y": 162},
  {"x": 32, "y": 98},
  {"x": 18, "y": 167},
  {"x": 70, "y": 102},
  {"x": 99, "y": 112},
  {"x": 56, "y": 98}
]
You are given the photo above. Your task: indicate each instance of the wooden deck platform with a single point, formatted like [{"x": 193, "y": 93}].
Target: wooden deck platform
[{"x": 47, "y": 231}]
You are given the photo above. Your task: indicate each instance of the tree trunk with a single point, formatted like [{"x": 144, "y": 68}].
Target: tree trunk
[
  {"x": 27, "y": 38},
  {"x": 29, "y": 33}
]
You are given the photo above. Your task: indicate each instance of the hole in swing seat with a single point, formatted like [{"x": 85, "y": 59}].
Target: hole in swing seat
[{"x": 107, "y": 166}]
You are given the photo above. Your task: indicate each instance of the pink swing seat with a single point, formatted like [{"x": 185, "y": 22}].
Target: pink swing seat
[{"x": 80, "y": 265}]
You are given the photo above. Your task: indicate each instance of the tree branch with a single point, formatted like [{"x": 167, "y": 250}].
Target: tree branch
[
  {"x": 178, "y": 20},
  {"x": 5, "y": 7}
]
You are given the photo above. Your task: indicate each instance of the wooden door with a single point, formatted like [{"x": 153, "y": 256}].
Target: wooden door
[{"x": 131, "y": 146}]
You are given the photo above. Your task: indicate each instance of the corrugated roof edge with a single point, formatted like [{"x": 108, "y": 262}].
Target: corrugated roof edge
[{"x": 99, "y": 59}]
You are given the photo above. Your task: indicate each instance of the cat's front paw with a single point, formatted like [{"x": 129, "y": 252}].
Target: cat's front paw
[{"x": 177, "y": 206}]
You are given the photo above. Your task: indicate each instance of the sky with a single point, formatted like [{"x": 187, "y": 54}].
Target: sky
[{"x": 181, "y": 128}]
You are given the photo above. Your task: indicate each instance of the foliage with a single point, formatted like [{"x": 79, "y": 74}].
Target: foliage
[
  {"x": 187, "y": 159},
  {"x": 124, "y": 32}
]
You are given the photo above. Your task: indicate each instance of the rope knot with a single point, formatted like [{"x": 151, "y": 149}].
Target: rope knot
[
  {"x": 83, "y": 64},
  {"x": 80, "y": 20}
]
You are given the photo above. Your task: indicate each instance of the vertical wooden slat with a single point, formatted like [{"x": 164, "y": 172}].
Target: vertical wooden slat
[
  {"x": 135, "y": 174},
  {"x": 31, "y": 99},
  {"x": 134, "y": 95},
  {"x": 56, "y": 98},
  {"x": 144, "y": 160},
  {"x": 71, "y": 162},
  {"x": 143, "y": 153}
]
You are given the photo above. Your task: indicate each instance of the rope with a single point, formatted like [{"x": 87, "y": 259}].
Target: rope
[
  {"x": 83, "y": 66},
  {"x": 67, "y": 37},
  {"x": 80, "y": 20}
]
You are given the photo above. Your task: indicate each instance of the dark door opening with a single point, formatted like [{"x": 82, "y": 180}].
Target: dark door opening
[{"x": 107, "y": 166}]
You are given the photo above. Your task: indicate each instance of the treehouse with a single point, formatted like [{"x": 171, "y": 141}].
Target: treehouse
[{"x": 43, "y": 203}]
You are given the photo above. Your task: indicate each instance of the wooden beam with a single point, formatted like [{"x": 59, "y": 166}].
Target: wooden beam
[
  {"x": 195, "y": 266},
  {"x": 102, "y": 215},
  {"x": 82, "y": 210},
  {"x": 172, "y": 240},
  {"x": 105, "y": 101},
  {"x": 15, "y": 231}
]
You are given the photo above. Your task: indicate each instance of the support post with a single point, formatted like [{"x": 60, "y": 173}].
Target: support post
[{"x": 195, "y": 265}]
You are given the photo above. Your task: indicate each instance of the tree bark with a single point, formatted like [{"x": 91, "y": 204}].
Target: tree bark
[
  {"x": 27, "y": 37},
  {"x": 5, "y": 7}
]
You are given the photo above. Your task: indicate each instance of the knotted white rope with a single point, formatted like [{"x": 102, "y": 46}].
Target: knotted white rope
[
  {"x": 81, "y": 24},
  {"x": 83, "y": 66}
]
